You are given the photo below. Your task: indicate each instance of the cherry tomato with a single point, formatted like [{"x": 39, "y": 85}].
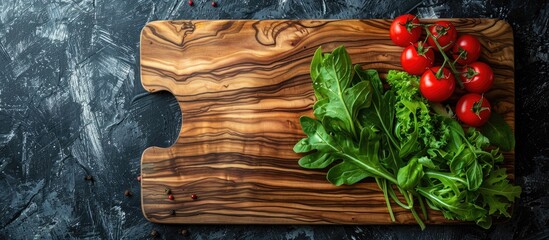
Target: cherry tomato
[
  {"x": 437, "y": 89},
  {"x": 469, "y": 48},
  {"x": 477, "y": 77},
  {"x": 417, "y": 58},
  {"x": 402, "y": 31},
  {"x": 473, "y": 109},
  {"x": 445, "y": 32}
]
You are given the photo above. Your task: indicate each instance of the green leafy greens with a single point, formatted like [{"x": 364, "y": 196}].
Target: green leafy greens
[{"x": 394, "y": 136}]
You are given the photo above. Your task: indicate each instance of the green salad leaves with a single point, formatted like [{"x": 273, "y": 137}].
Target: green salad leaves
[{"x": 395, "y": 137}]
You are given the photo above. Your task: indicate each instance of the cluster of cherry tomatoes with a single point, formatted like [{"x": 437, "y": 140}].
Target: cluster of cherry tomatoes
[{"x": 437, "y": 83}]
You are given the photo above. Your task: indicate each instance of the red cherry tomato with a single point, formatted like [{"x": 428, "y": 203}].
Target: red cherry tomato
[
  {"x": 473, "y": 109},
  {"x": 444, "y": 32},
  {"x": 402, "y": 31},
  {"x": 417, "y": 58},
  {"x": 437, "y": 89},
  {"x": 469, "y": 48},
  {"x": 477, "y": 77}
]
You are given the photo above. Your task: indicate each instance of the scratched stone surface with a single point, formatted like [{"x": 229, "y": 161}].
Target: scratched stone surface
[{"x": 71, "y": 105}]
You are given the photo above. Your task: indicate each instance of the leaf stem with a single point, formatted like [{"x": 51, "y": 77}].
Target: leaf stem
[
  {"x": 397, "y": 201},
  {"x": 382, "y": 183},
  {"x": 437, "y": 174},
  {"x": 410, "y": 200},
  {"x": 406, "y": 197},
  {"x": 387, "y": 132},
  {"x": 482, "y": 153},
  {"x": 422, "y": 205},
  {"x": 418, "y": 219}
]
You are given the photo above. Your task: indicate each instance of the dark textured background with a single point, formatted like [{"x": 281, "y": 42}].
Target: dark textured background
[{"x": 71, "y": 104}]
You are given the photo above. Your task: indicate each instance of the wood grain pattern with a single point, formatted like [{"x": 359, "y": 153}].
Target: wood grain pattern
[{"x": 242, "y": 86}]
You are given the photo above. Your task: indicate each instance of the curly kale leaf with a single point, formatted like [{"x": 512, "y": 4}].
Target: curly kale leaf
[{"x": 415, "y": 126}]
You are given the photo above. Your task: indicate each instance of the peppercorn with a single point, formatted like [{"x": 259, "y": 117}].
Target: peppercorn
[
  {"x": 139, "y": 178},
  {"x": 194, "y": 196},
  {"x": 172, "y": 212},
  {"x": 184, "y": 232},
  {"x": 214, "y": 4},
  {"x": 154, "y": 233},
  {"x": 128, "y": 193},
  {"x": 170, "y": 197},
  {"x": 191, "y": 3}
]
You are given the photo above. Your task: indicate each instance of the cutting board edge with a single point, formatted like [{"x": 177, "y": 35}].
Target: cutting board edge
[{"x": 151, "y": 148}]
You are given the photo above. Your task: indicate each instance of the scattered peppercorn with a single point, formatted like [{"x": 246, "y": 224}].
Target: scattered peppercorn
[
  {"x": 168, "y": 191},
  {"x": 194, "y": 196},
  {"x": 128, "y": 193},
  {"x": 214, "y": 4},
  {"x": 172, "y": 212},
  {"x": 184, "y": 232},
  {"x": 88, "y": 178},
  {"x": 154, "y": 233},
  {"x": 191, "y": 3},
  {"x": 170, "y": 197},
  {"x": 139, "y": 178}
]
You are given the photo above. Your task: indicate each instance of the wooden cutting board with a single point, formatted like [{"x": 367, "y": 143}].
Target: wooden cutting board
[{"x": 242, "y": 86}]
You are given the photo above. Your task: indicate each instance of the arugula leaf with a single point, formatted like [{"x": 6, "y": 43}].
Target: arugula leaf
[
  {"x": 462, "y": 159},
  {"x": 474, "y": 176},
  {"x": 476, "y": 137},
  {"x": 382, "y": 115},
  {"x": 317, "y": 139},
  {"x": 499, "y": 132},
  {"x": 338, "y": 102},
  {"x": 329, "y": 150},
  {"x": 371, "y": 76},
  {"x": 456, "y": 135},
  {"x": 358, "y": 97},
  {"x": 390, "y": 158},
  {"x": 316, "y": 65},
  {"x": 427, "y": 162},
  {"x": 317, "y": 160},
  {"x": 336, "y": 134},
  {"x": 448, "y": 194},
  {"x": 452, "y": 206},
  {"x": 497, "y": 193},
  {"x": 448, "y": 180},
  {"x": 345, "y": 173}
]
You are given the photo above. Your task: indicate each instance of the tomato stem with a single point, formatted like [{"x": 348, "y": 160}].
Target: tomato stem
[
  {"x": 478, "y": 108},
  {"x": 422, "y": 24},
  {"x": 470, "y": 73},
  {"x": 446, "y": 58},
  {"x": 440, "y": 73},
  {"x": 426, "y": 38},
  {"x": 410, "y": 25},
  {"x": 422, "y": 49},
  {"x": 462, "y": 54}
]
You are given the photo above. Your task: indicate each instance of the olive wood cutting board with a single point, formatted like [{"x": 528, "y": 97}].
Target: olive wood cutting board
[{"x": 242, "y": 86}]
